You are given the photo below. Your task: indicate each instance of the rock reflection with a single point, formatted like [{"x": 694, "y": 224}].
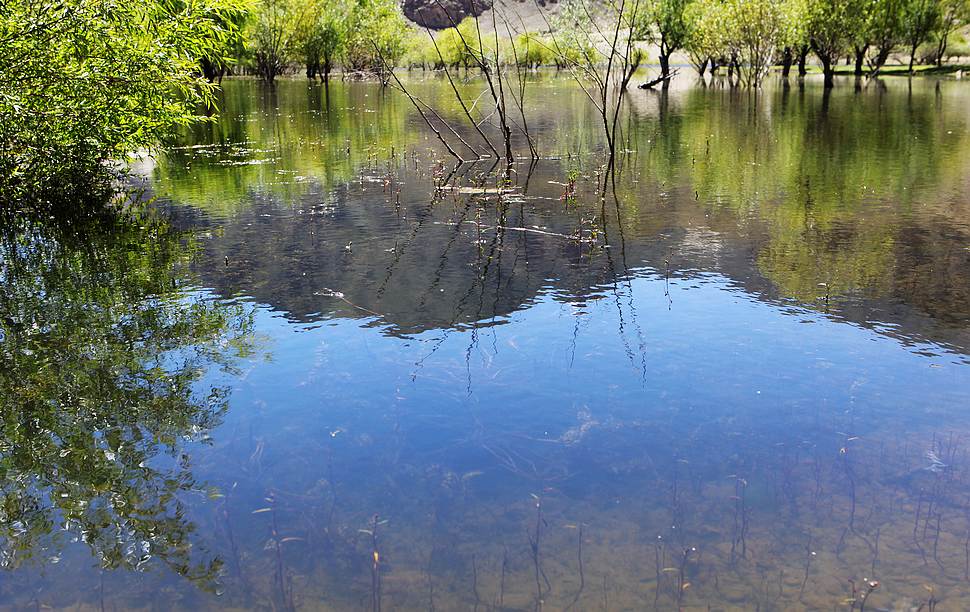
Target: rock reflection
[{"x": 848, "y": 211}]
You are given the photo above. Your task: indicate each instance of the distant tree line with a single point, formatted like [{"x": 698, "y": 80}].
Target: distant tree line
[
  {"x": 745, "y": 38},
  {"x": 750, "y": 36}
]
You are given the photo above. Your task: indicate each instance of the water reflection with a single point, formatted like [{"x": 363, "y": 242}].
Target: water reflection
[
  {"x": 101, "y": 361},
  {"x": 740, "y": 384},
  {"x": 853, "y": 208}
]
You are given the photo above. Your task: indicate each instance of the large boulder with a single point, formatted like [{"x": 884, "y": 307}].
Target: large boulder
[{"x": 441, "y": 14}]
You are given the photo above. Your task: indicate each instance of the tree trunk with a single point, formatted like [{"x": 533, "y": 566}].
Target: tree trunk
[
  {"x": 860, "y": 56},
  {"x": 881, "y": 58},
  {"x": 703, "y": 67},
  {"x": 208, "y": 69},
  {"x": 829, "y": 71},
  {"x": 664, "y": 64},
  {"x": 802, "y": 57},
  {"x": 912, "y": 58},
  {"x": 786, "y": 62},
  {"x": 941, "y": 49}
]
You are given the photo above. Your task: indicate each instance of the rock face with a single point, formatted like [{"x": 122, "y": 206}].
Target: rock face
[{"x": 441, "y": 14}]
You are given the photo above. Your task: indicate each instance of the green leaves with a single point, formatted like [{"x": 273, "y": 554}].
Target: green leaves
[{"x": 86, "y": 81}]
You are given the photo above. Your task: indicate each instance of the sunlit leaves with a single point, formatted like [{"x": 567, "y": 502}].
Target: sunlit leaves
[{"x": 83, "y": 81}]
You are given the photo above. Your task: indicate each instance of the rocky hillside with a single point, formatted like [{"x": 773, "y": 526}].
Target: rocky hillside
[{"x": 441, "y": 14}]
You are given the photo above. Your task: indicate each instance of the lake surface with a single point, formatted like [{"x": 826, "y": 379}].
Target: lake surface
[{"x": 329, "y": 369}]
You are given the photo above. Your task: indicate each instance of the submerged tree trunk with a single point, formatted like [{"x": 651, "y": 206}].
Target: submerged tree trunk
[
  {"x": 912, "y": 58},
  {"x": 881, "y": 57},
  {"x": 829, "y": 71},
  {"x": 702, "y": 67},
  {"x": 860, "y": 57},
  {"x": 786, "y": 62},
  {"x": 802, "y": 58}
]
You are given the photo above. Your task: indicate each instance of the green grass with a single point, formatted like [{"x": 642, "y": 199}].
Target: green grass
[{"x": 902, "y": 70}]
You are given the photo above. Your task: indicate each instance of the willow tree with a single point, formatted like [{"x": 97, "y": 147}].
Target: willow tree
[
  {"x": 273, "y": 34},
  {"x": 666, "y": 24},
  {"x": 832, "y": 26},
  {"x": 883, "y": 29},
  {"x": 377, "y": 36},
  {"x": 756, "y": 31},
  {"x": 794, "y": 35},
  {"x": 707, "y": 40},
  {"x": 920, "y": 19},
  {"x": 82, "y": 82},
  {"x": 954, "y": 14},
  {"x": 323, "y": 37}
]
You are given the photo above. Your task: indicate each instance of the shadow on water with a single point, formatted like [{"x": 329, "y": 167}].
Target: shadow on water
[{"x": 735, "y": 380}]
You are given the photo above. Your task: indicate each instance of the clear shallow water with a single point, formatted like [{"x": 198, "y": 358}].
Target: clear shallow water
[{"x": 742, "y": 383}]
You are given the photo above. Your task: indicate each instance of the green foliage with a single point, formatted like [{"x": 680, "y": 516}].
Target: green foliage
[
  {"x": 273, "y": 35},
  {"x": 666, "y": 23},
  {"x": 794, "y": 33},
  {"x": 419, "y": 52},
  {"x": 83, "y": 81},
  {"x": 459, "y": 46},
  {"x": 919, "y": 19},
  {"x": 832, "y": 26},
  {"x": 882, "y": 29},
  {"x": 230, "y": 47},
  {"x": 378, "y": 33},
  {"x": 323, "y": 37},
  {"x": 533, "y": 51},
  {"x": 956, "y": 47},
  {"x": 572, "y": 43},
  {"x": 954, "y": 14},
  {"x": 756, "y": 30},
  {"x": 321, "y": 34},
  {"x": 708, "y": 38},
  {"x": 749, "y": 32}
]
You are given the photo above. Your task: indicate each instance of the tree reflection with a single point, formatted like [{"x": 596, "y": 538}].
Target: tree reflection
[{"x": 104, "y": 386}]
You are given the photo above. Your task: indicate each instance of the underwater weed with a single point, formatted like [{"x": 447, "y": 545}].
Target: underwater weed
[
  {"x": 682, "y": 584},
  {"x": 375, "y": 576},
  {"x": 534, "y": 544}
]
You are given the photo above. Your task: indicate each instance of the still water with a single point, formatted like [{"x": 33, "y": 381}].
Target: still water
[{"x": 327, "y": 369}]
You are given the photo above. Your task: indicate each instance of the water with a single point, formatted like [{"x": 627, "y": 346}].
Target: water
[{"x": 327, "y": 371}]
